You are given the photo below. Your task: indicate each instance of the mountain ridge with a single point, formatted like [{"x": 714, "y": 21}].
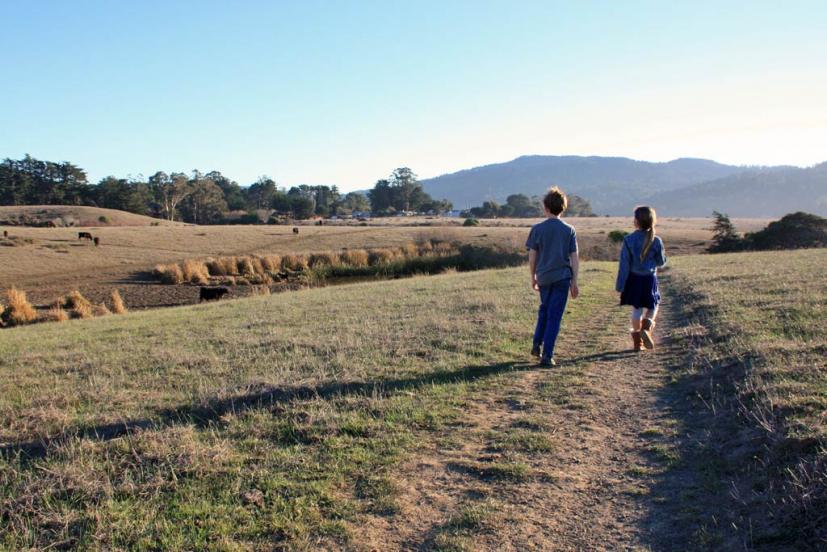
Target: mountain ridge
[{"x": 611, "y": 184}]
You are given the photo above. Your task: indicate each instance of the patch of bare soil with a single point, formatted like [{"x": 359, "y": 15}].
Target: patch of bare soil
[{"x": 559, "y": 459}]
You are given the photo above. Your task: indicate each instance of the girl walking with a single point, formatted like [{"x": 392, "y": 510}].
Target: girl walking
[{"x": 637, "y": 280}]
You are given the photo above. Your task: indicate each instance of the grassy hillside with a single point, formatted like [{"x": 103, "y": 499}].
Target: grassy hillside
[
  {"x": 292, "y": 421},
  {"x": 758, "y": 336},
  {"x": 259, "y": 424},
  {"x": 78, "y": 216}
]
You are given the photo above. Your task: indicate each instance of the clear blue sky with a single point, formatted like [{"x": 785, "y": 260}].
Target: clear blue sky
[{"x": 343, "y": 92}]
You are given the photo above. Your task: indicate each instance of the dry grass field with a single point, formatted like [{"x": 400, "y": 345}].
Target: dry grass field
[
  {"x": 50, "y": 262},
  {"x": 405, "y": 415}
]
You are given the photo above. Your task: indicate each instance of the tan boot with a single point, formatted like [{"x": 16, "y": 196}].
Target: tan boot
[
  {"x": 646, "y": 330},
  {"x": 636, "y": 341}
]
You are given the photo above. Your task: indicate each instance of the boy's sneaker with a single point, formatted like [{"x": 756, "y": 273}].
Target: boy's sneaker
[
  {"x": 547, "y": 362},
  {"x": 535, "y": 351}
]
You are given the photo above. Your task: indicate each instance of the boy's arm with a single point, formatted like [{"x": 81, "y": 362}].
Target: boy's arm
[
  {"x": 575, "y": 269},
  {"x": 532, "y": 266}
]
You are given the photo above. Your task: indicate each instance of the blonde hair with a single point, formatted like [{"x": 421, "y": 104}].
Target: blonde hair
[{"x": 646, "y": 219}]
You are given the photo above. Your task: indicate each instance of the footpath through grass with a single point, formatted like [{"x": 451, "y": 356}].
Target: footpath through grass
[
  {"x": 262, "y": 423},
  {"x": 758, "y": 358}
]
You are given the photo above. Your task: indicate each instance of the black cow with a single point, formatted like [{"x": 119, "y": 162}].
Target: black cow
[
  {"x": 212, "y": 293},
  {"x": 5, "y": 233},
  {"x": 295, "y": 229},
  {"x": 97, "y": 241},
  {"x": 85, "y": 236}
]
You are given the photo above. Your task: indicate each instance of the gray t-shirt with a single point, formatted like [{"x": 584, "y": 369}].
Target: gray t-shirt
[{"x": 554, "y": 241}]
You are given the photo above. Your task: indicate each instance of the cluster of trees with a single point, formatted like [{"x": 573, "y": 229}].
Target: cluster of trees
[
  {"x": 202, "y": 198},
  {"x": 794, "y": 231},
  {"x": 402, "y": 192},
  {"x": 522, "y": 206}
]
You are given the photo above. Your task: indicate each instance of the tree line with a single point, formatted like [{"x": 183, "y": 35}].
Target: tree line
[
  {"x": 205, "y": 198},
  {"x": 522, "y": 206}
]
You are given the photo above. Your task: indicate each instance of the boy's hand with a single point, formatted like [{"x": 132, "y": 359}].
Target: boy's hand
[
  {"x": 534, "y": 285},
  {"x": 575, "y": 290}
]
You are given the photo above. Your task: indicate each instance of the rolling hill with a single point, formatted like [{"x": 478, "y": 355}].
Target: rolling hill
[
  {"x": 767, "y": 193},
  {"x": 614, "y": 185},
  {"x": 74, "y": 215},
  {"x": 607, "y": 182}
]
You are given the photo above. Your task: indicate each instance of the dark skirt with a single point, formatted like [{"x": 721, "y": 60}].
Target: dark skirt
[{"x": 641, "y": 291}]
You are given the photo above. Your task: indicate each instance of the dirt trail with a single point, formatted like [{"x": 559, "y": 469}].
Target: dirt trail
[{"x": 591, "y": 435}]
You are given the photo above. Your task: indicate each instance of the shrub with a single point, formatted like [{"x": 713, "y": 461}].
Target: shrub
[
  {"x": 56, "y": 313},
  {"x": 355, "y": 257},
  {"x": 104, "y": 219},
  {"x": 617, "y": 236},
  {"x": 118, "y": 306},
  {"x": 323, "y": 259},
  {"x": 19, "y": 311},
  {"x": 793, "y": 231},
  {"x": 169, "y": 274},
  {"x": 196, "y": 272},
  {"x": 471, "y": 222}
]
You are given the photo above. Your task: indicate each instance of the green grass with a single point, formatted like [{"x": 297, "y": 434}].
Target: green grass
[
  {"x": 758, "y": 336},
  {"x": 266, "y": 422}
]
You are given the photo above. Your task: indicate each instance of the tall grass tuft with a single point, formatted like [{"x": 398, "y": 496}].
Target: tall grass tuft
[
  {"x": 294, "y": 262},
  {"x": 271, "y": 263},
  {"x": 260, "y": 290},
  {"x": 381, "y": 256},
  {"x": 101, "y": 310},
  {"x": 216, "y": 267},
  {"x": 355, "y": 257},
  {"x": 245, "y": 267},
  {"x": 19, "y": 311},
  {"x": 169, "y": 274},
  {"x": 57, "y": 313},
  {"x": 317, "y": 260},
  {"x": 80, "y": 305},
  {"x": 196, "y": 272},
  {"x": 118, "y": 306}
]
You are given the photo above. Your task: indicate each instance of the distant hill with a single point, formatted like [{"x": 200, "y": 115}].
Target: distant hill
[
  {"x": 609, "y": 183},
  {"x": 74, "y": 215},
  {"x": 769, "y": 193}
]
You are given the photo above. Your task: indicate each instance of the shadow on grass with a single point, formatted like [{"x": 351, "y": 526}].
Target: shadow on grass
[{"x": 203, "y": 415}]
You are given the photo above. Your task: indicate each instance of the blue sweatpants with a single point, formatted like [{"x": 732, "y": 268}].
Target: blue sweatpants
[{"x": 553, "y": 299}]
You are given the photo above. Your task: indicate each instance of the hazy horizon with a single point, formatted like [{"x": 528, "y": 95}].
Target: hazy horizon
[{"x": 342, "y": 94}]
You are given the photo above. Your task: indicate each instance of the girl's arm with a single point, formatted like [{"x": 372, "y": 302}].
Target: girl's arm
[
  {"x": 623, "y": 267},
  {"x": 660, "y": 253}
]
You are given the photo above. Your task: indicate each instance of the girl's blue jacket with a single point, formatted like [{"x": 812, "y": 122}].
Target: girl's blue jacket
[{"x": 630, "y": 257}]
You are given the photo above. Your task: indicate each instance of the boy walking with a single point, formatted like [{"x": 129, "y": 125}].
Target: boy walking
[{"x": 554, "y": 264}]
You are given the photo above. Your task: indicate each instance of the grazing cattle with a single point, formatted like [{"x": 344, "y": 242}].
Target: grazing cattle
[
  {"x": 295, "y": 230},
  {"x": 85, "y": 236},
  {"x": 97, "y": 241},
  {"x": 320, "y": 222},
  {"x": 212, "y": 293},
  {"x": 5, "y": 233}
]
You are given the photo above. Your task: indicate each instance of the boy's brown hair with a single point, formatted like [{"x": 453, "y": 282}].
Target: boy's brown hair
[{"x": 555, "y": 201}]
